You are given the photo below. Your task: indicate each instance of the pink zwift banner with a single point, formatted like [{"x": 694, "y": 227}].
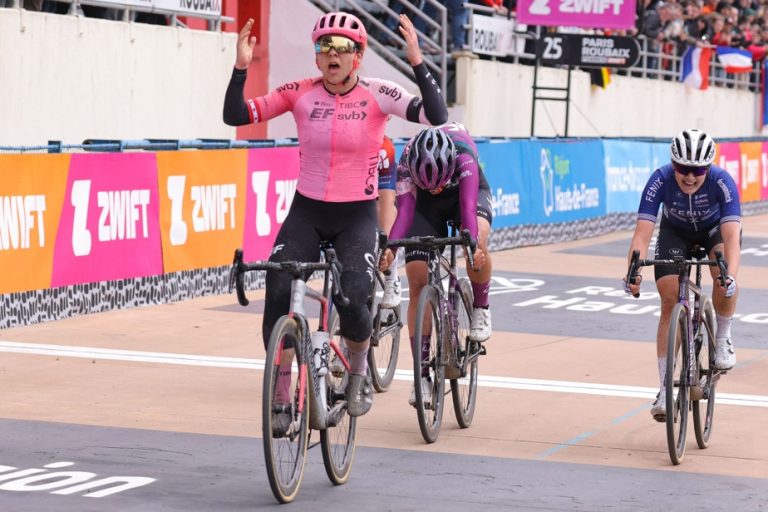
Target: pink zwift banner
[
  {"x": 577, "y": 13},
  {"x": 109, "y": 228},
  {"x": 270, "y": 185}
]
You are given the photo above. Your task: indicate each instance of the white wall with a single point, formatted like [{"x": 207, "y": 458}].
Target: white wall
[
  {"x": 627, "y": 107},
  {"x": 70, "y": 78}
]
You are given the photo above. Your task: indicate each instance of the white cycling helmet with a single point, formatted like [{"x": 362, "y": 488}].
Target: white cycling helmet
[{"x": 693, "y": 148}]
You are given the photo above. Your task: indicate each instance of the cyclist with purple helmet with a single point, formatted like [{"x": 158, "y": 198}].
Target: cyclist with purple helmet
[
  {"x": 340, "y": 118},
  {"x": 439, "y": 179}
]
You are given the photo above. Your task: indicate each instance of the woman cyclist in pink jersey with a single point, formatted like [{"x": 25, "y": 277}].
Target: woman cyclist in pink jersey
[{"x": 340, "y": 118}]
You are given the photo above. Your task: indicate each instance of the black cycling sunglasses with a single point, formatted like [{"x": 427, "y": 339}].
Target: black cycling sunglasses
[{"x": 695, "y": 170}]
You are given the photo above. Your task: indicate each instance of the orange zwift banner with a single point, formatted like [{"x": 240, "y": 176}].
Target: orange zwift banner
[
  {"x": 31, "y": 197},
  {"x": 202, "y": 207}
]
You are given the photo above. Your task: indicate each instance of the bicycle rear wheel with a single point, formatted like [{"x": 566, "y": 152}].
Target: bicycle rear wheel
[
  {"x": 676, "y": 383},
  {"x": 337, "y": 441},
  {"x": 704, "y": 408},
  {"x": 464, "y": 388},
  {"x": 285, "y": 412},
  {"x": 385, "y": 342},
  {"x": 429, "y": 409}
]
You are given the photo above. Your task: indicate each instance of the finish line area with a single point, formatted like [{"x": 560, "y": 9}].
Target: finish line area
[{"x": 164, "y": 402}]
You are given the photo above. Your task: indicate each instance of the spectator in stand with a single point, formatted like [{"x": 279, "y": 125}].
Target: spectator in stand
[
  {"x": 654, "y": 18},
  {"x": 498, "y": 5},
  {"x": 758, "y": 44},
  {"x": 722, "y": 34},
  {"x": 709, "y": 7}
]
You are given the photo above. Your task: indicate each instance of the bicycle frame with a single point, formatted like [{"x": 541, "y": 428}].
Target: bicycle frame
[
  {"x": 320, "y": 417},
  {"x": 685, "y": 288}
]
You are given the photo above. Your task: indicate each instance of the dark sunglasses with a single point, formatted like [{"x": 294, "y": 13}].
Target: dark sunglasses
[
  {"x": 339, "y": 43},
  {"x": 696, "y": 170}
]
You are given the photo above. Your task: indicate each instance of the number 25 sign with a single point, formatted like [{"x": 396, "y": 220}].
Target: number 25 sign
[{"x": 577, "y": 13}]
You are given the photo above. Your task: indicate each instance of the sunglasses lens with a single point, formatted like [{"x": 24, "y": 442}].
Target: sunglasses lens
[
  {"x": 339, "y": 43},
  {"x": 697, "y": 171}
]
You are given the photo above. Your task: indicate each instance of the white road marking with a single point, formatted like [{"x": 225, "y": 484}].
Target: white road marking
[{"x": 553, "y": 386}]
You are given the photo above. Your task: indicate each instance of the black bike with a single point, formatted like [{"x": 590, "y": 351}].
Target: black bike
[{"x": 691, "y": 376}]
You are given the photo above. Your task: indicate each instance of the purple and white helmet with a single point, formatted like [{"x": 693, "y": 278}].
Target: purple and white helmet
[{"x": 432, "y": 159}]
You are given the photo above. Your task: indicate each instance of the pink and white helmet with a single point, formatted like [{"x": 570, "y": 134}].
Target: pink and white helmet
[
  {"x": 341, "y": 24},
  {"x": 432, "y": 159}
]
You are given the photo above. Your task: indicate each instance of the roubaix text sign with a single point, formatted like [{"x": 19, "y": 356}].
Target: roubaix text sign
[
  {"x": 577, "y": 13},
  {"x": 588, "y": 50}
]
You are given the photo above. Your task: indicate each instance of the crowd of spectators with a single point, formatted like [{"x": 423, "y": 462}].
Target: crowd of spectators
[{"x": 672, "y": 25}]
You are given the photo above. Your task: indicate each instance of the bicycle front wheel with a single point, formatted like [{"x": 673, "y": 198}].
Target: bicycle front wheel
[
  {"x": 338, "y": 439},
  {"x": 428, "y": 331},
  {"x": 464, "y": 388},
  {"x": 385, "y": 342},
  {"x": 677, "y": 383},
  {"x": 285, "y": 411},
  {"x": 704, "y": 407}
]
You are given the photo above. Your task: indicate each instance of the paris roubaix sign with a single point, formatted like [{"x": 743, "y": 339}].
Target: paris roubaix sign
[{"x": 577, "y": 13}]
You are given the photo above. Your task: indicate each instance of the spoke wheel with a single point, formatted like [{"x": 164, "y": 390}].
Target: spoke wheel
[
  {"x": 338, "y": 441},
  {"x": 429, "y": 407},
  {"x": 285, "y": 412},
  {"x": 704, "y": 407},
  {"x": 676, "y": 384},
  {"x": 385, "y": 342},
  {"x": 464, "y": 387}
]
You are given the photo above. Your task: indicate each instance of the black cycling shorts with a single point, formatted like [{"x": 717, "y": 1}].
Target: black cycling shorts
[
  {"x": 673, "y": 242},
  {"x": 433, "y": 213}
]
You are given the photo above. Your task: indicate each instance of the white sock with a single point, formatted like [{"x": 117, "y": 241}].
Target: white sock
[
  {"x": 662, "y": 371},
  {"x": 723, "y": 327}
]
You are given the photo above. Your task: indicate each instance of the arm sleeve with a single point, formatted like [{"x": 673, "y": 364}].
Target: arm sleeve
[
  {"x": 728, "y": 197},
  {"x": 432, "y": 100},
  {"x": 235, "y": 109},
  {"x": 406, "y": 206},
  {"x": 469, "y": 183}
]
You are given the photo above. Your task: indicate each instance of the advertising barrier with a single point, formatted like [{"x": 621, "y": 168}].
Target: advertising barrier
[
  {"x": 31, "y": 197},
  {"x": 202, "y": 207},
  {"x": 100, "y": 217},
  {"x": 109, "y": 221}
]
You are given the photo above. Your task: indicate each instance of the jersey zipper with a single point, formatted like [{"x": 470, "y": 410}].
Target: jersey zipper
[
  {"x": 690, "y": 209},
  {"x": 332, "y": 161}
]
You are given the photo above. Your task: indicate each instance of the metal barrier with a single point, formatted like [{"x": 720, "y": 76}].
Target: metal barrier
[
  {"x": 119, "y": 146},
  {"x": 171, "y": 8}
]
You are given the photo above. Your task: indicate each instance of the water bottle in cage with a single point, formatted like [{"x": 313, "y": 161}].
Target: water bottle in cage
[{"x": 321, "y": 349}]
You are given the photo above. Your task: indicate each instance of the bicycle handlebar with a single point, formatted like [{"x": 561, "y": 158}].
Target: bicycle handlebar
[
  {"x": 295, "y": 268},
  {"x": 680, "y": 262},
  {"x": 432, "y": 242}
]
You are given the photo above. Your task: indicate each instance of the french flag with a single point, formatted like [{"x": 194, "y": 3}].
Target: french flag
[
  {"x": 735, "y": 60},
  {"x": 695, "y": 70}
]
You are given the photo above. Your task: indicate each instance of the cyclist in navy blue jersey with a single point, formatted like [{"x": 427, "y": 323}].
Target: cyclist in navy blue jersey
[{"x": 700, "y": 206}]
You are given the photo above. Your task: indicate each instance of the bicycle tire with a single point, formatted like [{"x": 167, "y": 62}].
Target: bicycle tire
[
  {"x": 464, "y": 389},
  {"x": 702, "y": 426},
  {"x": 285, "y": 455},
  {"x": 337, "y": 442},
  {"x": 677, "y": 403},
  {"x": 430, "y": 414},
  {"x": 385, "y": 342}
]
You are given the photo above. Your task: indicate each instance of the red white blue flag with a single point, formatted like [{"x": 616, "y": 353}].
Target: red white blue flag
[
  {"x": 735, "y": 60},
  {"x": 695, "y": 70}
]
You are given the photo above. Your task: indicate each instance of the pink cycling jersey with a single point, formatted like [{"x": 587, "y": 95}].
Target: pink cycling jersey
[{"x": 339, "y": 134}]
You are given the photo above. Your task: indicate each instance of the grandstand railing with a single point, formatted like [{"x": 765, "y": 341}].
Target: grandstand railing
[{"x": 172, "y": 8}]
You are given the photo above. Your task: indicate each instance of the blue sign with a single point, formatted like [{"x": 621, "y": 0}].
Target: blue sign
[
  {"x": 502, "y": 164},
  {"x": 567, "y": 180}
]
